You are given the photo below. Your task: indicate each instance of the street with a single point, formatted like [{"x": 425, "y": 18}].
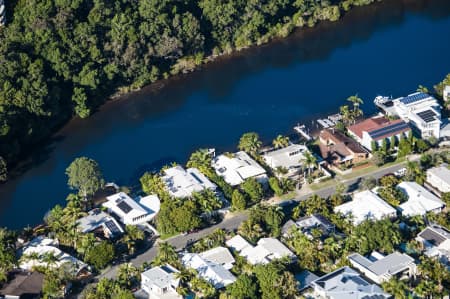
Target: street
[{"x": 232, "y": 222}]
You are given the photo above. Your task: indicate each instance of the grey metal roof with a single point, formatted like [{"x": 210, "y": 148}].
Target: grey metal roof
[
  {"x": 391, "y": 264},
  {"x": 434, "y": 235}
]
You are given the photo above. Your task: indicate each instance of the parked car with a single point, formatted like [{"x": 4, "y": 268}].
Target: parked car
[{"x": 401, "y": 172}]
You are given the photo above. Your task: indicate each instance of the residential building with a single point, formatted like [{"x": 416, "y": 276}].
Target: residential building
[
  {"x": 435, "y": 240},
  {"x": 267, "y": 250},
  {"x": 304, "y": 279},
  {"x": 446, "y": 94},
  {"x": 219, "y": 255},
  {"x": 236, "y": 168},
  {"x": 161, "y": 282},
  {"x": 422, "y": 111},
  {"x": 23, "y": 285},
  {"x": 420, "y": 200},
  {"x": 33, "y": 253},
  {"x": 380, "y": 268},
  {"x": 376, "y": 129},
  {"x": 212, "y": 272},
  {"x": 366, "y": 205},
  {"x": 131, "y": 212},
  {"x": 337, "y": 148},
  {"x": 439, "y": 178},
  {"x": 290, "y": 158},
  {"x": 308, "y": 224},
  {"x": 346, "y": 283},
  {"x": 100, "y": 223},
  {"x": 182, "y": 183},
  {"x": 2, "y": 13}
]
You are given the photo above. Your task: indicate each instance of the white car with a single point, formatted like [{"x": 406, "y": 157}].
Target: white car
[{"x": 401, "y": 172}]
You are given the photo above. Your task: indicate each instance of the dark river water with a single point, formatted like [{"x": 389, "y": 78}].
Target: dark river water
[{"x": 387, "y": 48}]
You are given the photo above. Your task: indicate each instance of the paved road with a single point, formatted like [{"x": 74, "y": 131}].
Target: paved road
[{"x": 232, "y": 223}]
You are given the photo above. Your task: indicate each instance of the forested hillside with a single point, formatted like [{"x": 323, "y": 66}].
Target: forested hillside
[{"x": 60, "y": 58}]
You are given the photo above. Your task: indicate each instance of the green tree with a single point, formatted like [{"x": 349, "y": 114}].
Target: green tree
[
  {"x": 250, "y": 143},
  {"x": 396, "y": 287},
  {"x": 253, "y": 189},
  {"x": 3, "y": 170},
  {"x": 275, "y": 186},
  {"x": 202, "y": 159},
  {"x": 238, "y": 202},
  {"x": 356, "y": 102},
  {"x": 244, "y": 287},
  {"x": 281, "y": 141},
  {"x": 85, "y": 176},
  {"x": 100, "y": 255},
  {"x": 166, "y": 255},
  {"x": 153, "y": 184},
  {"x": 133, "y": 235}
]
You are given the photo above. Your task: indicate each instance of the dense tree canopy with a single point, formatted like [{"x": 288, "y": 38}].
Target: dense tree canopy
[{"x": 85, "y": 176}]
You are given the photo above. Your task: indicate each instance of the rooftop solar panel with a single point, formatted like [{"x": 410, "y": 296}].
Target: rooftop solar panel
[
  {"x": 389, "y": 130},
  {"x": 414, "y": 98},
  {"x": 124, "y": 207},
  {"x": 427, "y": 115},
  {"x": 112, "y": 227}
]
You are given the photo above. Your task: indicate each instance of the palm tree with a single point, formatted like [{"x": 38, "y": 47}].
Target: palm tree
[
  {"x": 250, "y": 143},
  {"x": 86, "y": 242},
  {"x": 201, "y": 159},
  {"x": 356, "y": 101},
  {"x": 166, "y": 255},
  {"x": 396, "y": 287},
  {"x": 49, "y": 258},
  {"x": 310, "y": 161},
  {"x": 133, "y": 234},
  {"x": 281, "y": 141},
  {"x": 127, "y": 275},
  {"x": 250, "y": 230},
  {"x": 346, "y": 114}
]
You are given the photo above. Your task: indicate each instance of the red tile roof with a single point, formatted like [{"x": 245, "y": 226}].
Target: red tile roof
[{"x": 368, "y": 125}]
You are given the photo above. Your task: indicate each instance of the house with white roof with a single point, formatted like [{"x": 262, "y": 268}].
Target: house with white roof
[
  {"x": 267, "y": 250},
  {"x": 420, "y": 200},
  {"x": 435, "y": 240},
  {"x": 446, "y": 94},
  {"x": 346, "y": 283},
  {"x": 182, "y": 183},
  {"x": 161, "y": 282},
  {"x": 214, "y": 273},
  {"x": 35, "y": 252},
  {"x": 131, "y": 212},
  {"x": 307, "y": 224},
  {"x": 98, "y": 221},
  {"x": 380, "y": 268},
  {"x": 422, "y": 111},
  {"x": 290, "y": 158},
  {"x": 219, "y": 255},
  {"x": 366, "y": 205},
  {"x": 2, "y": 13},
  {"x": 439, "y": 178},
  {"x": 236, "y": 168}
]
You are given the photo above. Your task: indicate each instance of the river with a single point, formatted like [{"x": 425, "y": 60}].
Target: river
[{"x": 388, "y": 48}]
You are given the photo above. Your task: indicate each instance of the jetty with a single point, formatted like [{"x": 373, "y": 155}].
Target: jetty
[
  {"x": 301, "y": 129},
  {"x": 330, "y": 121}
]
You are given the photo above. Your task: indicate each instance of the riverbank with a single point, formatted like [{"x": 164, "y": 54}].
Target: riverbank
[{"x": 182, "y": 65}]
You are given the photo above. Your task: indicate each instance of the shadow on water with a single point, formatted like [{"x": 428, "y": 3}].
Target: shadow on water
[{"x": 217, "y": 80}]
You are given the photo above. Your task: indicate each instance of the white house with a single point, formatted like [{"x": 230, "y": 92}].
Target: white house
[
  {"x": 380, "y": 268},
  {"x": 2, "y": 13},
  {"x": 289, "y": 158},
  {"x": 98, "y": 220},
  {"x": 422, "y": 111},
  {"x": 131, "y": 212},
  {"x": 436, "y": 242},
  {"x": 212, "y": 272},
  {"x": 446, "y": 93},
  {"x": 219, "y": 255},
  {"x": 346, "y": 283},
  {"x": 376, "y": 129},
  {"x": 366, "y": 205},
  {"x": 236, "y": 168},
  {"x": 161, "y": 282},
  {"x": 420, "y": 200},
  {"x": 182, "y": 183},
  {"x": 33, "y": 254},
  {"x": 267, "y": 249},
  {"x": 439, "y": 178},
  {"x": 308, "y": 223}
]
